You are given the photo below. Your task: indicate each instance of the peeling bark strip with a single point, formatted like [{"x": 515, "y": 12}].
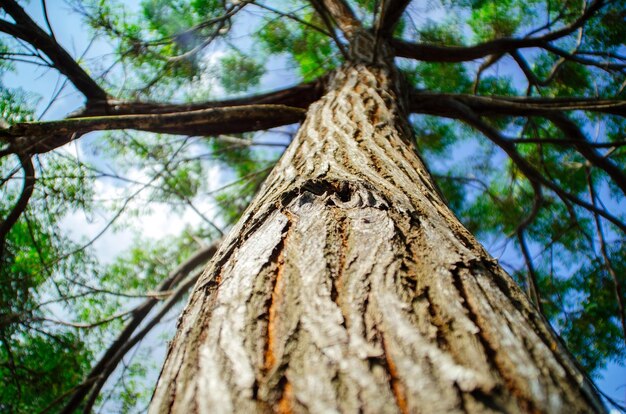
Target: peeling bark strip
[{"x": 349, "y": 286}]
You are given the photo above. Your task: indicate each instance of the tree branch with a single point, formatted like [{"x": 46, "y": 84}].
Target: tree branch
[
  {"x": 22, "y": 202},
  {"x": 341, "y": 14},
  {"x": 490, "y": 61},
  {"x": 41, "y": 137},
  {"x": 295, "y": 18},
  {"x": 298, "y": 96},
  {"x": 435, "y": 53},
  {"x": 607, "y": 66},
  {"x": 439, "y": 104},
  {"x": 391, "y": 11},
  {"x": 533, "y": 287},
  {"x": 566, "y": 142},
  {"x": 26, "y": 29},
  {"x": 617, "y": 286},
  {"x": 290, "y": 102},
  {"x": 460, "y": 111},
  {"x": 572, "y": 131},
  {"x": 139, "y": 314}
]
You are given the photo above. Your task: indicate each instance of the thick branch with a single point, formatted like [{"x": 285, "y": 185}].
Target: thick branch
[
  {"x": 298, "y": 96},
  {"x": 434, "y": 53},
  {"x": 26, "y": 29},
  {"x": 40, "y": 137},
  {"x": 139, "y": 314},
  {"x": 439, "y": 104}
]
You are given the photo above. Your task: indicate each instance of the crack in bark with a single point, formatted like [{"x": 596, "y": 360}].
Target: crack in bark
[
  {"x": 435, "y": 320},
  {"x": 278, "y": 259},
  {"x": 275, "y": 298},
  {"x": 371, "y": 236},
  {"x": 193, "y": 362},
  {"x": 547, "y": 338},
  {"x": 491, "y": 353},
  {"x": 396, "y": 386},
  {"x": 337, "y": 276},
  {"x": 285, "y": 405}
]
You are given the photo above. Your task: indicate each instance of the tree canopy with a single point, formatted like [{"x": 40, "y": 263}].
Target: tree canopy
[{"x": 518, "y": 109}]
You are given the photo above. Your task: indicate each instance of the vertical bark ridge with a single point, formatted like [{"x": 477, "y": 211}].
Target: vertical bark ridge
[
  {"x": 395, "y": 383},
  {"x": 349, "y": 286},
  {"x": 273, "y": 314}
]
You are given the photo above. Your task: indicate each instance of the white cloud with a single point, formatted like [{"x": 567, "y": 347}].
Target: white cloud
[{"x": 158, "y": 222}]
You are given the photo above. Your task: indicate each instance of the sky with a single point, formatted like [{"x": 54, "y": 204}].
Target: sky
[{"x": 159, "y": 223}]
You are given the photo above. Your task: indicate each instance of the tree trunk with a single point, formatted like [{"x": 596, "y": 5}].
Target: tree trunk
[{"x": 349, "y": 286}]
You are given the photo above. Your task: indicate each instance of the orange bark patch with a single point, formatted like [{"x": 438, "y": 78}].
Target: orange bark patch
[
  {"x": 284, "y": 404},
  {"x": 396, "y": 386},
  {"x": 277, "y": 298}
]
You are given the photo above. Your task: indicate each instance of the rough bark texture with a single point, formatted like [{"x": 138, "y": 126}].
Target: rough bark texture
[{"x": 349, "y": 286}]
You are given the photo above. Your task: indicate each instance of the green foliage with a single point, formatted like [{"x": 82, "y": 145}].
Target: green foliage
[
  {"x": 590, "y": 323},
  {"x": 492, "y": 198},
  {"x": 497, "y": 85},
  {"x": 491, "y": 19},
  {"x": 37, "y": 369},
  {"x": 239, "y": 72},
  {"x": 248, "y": 168},
  {"x": 428, "y": 75},
  {"x": 432, "y": 135},
  {"x": 160, "y": 44},
  {"x": 14, "y": 106},
  {"x": 445, "y": 33},
  {"x": 607, "y": 30},
  {"x": 313, "y": 51}
]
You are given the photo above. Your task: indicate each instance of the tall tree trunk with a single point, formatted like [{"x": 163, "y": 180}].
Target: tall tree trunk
[{"x": 349, "y": 286}]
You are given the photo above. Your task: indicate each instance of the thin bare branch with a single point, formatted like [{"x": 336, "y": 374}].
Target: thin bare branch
[
  {"x": 566, "y": 142},
  {"x": 26, "y": 29},
  {"x": 139, "y": 314},
  {"x": 574, "y": 57},
  {"x": 464, "y": 113},
  {"x": 571, "y": 130},
  {"x": 294, "y": 18},
  {"x": 533, "y": 287},
  {"x": 22, "y": 202},
  {"x": 85, "y": 325},
  {"x": 490, "y": 61},
  {"x": 617, "y": 286}
]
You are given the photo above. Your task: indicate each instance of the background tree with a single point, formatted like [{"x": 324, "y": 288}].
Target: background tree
[{"x": 531, "y": 92}]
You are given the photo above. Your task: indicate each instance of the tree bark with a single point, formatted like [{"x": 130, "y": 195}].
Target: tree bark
[{"x": 349, "y": 286}]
